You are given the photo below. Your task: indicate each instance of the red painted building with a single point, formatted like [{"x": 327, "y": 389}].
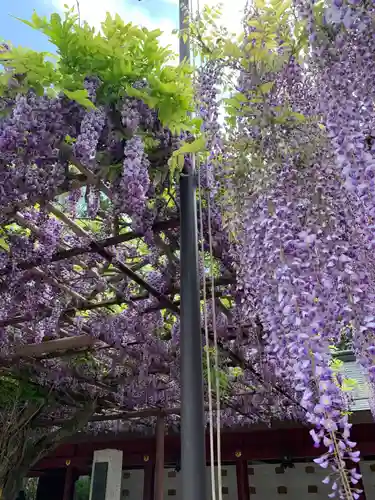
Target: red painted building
[{"x": 258, "y": 463}]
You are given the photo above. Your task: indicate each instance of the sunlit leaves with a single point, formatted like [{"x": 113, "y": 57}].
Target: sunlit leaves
[
  {"x": 345, "y": 384},
  {"x": 349, "y": 385},
  {"x": 265, "y": 88},
  {"x": 37, "y": 71},
  {"x": 219, "y": 378},
  {"x": 80, "y": 96},
  {"x": 121, "y": 56},
  {"x": 177, "y": 159}
]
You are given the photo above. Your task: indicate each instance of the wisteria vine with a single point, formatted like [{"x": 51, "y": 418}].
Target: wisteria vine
[{"x": 89, "y": 207}]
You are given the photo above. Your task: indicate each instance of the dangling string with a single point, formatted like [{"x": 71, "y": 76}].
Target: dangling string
[
  {"x": 207, "y": 340},
  {"x": 207, "y": 350},
  {"x": 217, "y": 379}
]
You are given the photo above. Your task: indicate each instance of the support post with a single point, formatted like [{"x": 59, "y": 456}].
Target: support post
[
  {"x": 148, "y": 481},
  {"x": 159, "y": 462},
  {"x": 193, "y": 457},
  {"x": 69, "y": 484},
  {"x": 243, "y": 490}
]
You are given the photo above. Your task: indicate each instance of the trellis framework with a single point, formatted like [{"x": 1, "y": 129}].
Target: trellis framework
[
  {"x": 72, "y": 340},
  {"x": 109, "y": 320}
]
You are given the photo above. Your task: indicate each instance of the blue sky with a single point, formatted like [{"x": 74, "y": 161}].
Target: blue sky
[{"x": 162, "y": 14}]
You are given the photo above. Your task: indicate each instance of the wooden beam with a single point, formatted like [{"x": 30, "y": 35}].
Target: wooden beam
[
  {"x": 50, "y": 346},
  {"x": 255, "y": 444},
  {"x": 111, "y": 258},
  {"x": 51, "y": 462},
  {"x": 62, "y": 254},
  {"x": 125, "y": 415}
]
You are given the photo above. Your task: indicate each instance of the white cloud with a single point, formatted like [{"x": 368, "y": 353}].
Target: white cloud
[{"x": 94, "y": 12}]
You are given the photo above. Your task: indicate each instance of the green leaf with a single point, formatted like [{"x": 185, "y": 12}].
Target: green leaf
[
  {"x": 80, "y": 96},
  {"x": 265, "y": 88},
  {"x": 196, "y": 146},
  {"x": 3, "y": 244},
  {"x": 349, "y": 384},
  {"x": 232, "y": 102},
  {"x": 232, "y": 49},
  {"x": 24, "y": 21},
  {"x": 70, "y": 140},
  {"x": 177, "y": 160},
  {"x": 298, "y": 116},
  {"x": 346, "y": 413},
  {"x": 236, "y": 371},
  {"x": 120, "y": 54},
  {"x": 336, "y": 364}
]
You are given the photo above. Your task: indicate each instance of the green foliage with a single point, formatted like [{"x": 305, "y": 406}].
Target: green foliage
[
  {"x": 17, "y": 390},
  {"x": 8, "y": 230},
  {"x": 120, "y": 55},
  {"x": 216, "y": 376},
  {"x": 176, "y": 162},
  {"x": 259, "y": 54},
  {"x": 336, "y": 364},
  {"x": 348, "y": 384},
  {"x": 80, "y": 96},
  {"x": 273, "y": 21},
  {"x": 236, "y": 371},
  {"x": 82, "y": 488}
]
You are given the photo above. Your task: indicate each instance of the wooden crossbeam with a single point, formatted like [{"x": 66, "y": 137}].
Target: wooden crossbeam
[{"x": 51, "y": 346}]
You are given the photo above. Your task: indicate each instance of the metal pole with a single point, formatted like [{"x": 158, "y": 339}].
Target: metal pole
[{"x": 193, "y": 456}]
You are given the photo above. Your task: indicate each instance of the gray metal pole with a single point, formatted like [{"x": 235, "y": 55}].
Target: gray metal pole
[{"x": 193, "y": 456}]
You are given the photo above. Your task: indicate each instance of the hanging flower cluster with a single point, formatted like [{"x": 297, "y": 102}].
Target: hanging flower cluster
[{"x": 302, "y": 204}]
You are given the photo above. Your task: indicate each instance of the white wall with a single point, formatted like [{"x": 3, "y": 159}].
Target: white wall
[
  {"x": 266, "y": 482},
  {"x": 114, "y": 474},
  {"x": 132, "y": 484}
]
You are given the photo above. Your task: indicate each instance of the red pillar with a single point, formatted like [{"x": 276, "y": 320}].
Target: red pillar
[
  {"x": 148, "y": 481},
  {"x": 243, "y": 492},
  {"x": 69, "y": 483},
  {"x": 159, "y": 461}
]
